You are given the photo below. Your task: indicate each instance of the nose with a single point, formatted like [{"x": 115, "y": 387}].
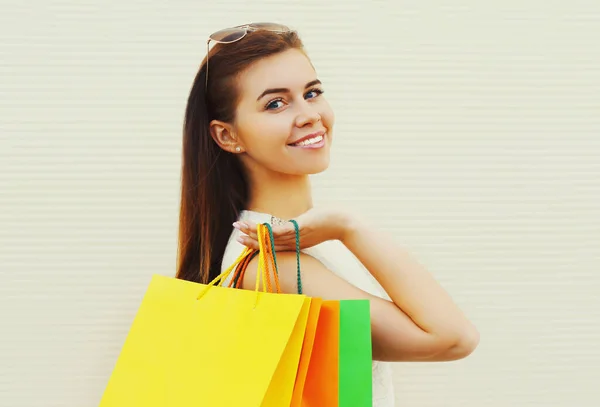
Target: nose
[{"x": 307, "y": 115}]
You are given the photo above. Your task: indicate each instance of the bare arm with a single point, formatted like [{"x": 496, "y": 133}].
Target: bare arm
[
  {"x": 437, "y": 328},
  {"x": 421, "y": 324}
]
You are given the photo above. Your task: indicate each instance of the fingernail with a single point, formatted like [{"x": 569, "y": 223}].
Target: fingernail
[
  {"x": 239, "y": 239},
  {"x": 236, "y": 225}
]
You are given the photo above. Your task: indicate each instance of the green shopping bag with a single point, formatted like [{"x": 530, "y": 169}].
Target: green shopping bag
[{"x": 356, "y": 354}]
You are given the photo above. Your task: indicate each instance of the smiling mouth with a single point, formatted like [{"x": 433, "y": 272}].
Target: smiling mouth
[{"x": 308, "y": 142}]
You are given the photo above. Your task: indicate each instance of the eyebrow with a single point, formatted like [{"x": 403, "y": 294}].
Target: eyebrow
[{"x": 286, "y": 90}]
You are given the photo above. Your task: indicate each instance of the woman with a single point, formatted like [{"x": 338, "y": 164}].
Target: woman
[{"x": 256, "y": 126}]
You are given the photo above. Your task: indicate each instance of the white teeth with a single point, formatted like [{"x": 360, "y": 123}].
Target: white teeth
[{"x": 310, "y": 141}]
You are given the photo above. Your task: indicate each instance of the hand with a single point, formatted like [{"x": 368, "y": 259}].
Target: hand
[{"x": 315, "y": 226}]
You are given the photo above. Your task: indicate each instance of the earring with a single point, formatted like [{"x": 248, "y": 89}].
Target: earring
[{"x": 238, "y": 149}]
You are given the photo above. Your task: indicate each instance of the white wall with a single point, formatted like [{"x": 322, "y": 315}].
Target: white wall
[{"x": 470, "y": 130}]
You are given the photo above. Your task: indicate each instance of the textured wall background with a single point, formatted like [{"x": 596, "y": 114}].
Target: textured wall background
[{"x": 469, "y": 130}]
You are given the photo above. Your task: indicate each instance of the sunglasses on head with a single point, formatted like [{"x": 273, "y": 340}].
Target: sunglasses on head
[{"x": 233, "y": 34}]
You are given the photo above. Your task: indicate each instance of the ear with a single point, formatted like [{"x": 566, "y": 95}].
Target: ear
[{"x": 224, "y": 135}]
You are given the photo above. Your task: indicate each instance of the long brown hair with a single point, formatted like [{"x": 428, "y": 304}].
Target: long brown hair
[{"x": 214, "y": 187}]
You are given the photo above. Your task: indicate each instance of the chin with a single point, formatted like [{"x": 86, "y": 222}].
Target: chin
[
  {"x": 317, "y": 168},
  {"x": 321, "y": 168},
  {"x": 315, "y": 164},
  {"x": 306, "y": 165},
  {"x": 307, "y": 168}
]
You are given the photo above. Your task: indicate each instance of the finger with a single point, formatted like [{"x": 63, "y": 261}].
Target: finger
[
  {"x": 249, "y": 228},
  {"x": 248, "y": 242}
]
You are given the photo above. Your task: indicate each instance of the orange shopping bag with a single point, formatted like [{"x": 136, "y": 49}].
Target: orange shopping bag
[{"x": 321, "y": 387}]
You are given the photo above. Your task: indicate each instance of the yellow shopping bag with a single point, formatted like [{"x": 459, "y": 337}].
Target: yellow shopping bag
[
  {"x": 205, "y": 345},
  {"x": 317, "y": 373}
]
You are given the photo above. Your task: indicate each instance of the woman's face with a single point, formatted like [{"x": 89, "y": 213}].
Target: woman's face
[{"x": 283, "y": 122}]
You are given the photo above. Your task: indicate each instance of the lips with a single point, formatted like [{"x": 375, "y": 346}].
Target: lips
[{"x": 310, "y": 139}]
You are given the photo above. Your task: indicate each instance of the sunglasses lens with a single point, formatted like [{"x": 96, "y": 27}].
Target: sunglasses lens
[
  {"x": 269, "y": 27},
  {"x": 228, "y": 35}
]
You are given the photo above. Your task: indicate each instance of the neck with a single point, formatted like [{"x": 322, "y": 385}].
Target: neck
[{"x": 280, "y": 195}]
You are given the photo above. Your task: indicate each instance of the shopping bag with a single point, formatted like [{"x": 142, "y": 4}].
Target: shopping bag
[
  {"x": 196, "y": 344},
  {"x": 356, "y": 354},
  {"x": 313, "y": 316},
  {"x": 306, "y": 353},
  {"x": 285, "y": 379},
  {"x": 321, "y": 388}
]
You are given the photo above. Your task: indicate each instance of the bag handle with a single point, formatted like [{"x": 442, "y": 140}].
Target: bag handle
[
  {"x": 241, "y": 258},
  {"x": 241, "y": 268},
  {"x": 265, "y": 259},
  {"x": 224, "y": 274},
  {"x": 298, "y": 275},
  {"x": 265, "y": 243}
]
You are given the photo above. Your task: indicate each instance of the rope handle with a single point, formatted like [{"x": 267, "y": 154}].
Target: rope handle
[
  {"x": 239, "y": 275},
  {"x": 269, "y": 240},
  {"x": 263, "y": 264},
  {"x": 241, "y": 270},
  {"x": 224, "y": 274},
  {"x": 273, "y": 257},
  {"x": 268, "y": 260},
  {"x": 265, "y": 259},
  {"x": 298, "y": 274}
]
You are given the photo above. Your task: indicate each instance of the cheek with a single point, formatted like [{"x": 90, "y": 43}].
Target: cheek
[
  {"x": 327, "y": 116},
  {"x": 263, "y": 133}
]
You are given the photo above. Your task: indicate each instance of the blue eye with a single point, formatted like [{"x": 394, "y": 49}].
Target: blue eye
[
  {"x": 272, "y": 104},
  {"x": 316, "y": 91}
]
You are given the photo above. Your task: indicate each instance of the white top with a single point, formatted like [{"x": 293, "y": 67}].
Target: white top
[{"x": 337, "y": 258}]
